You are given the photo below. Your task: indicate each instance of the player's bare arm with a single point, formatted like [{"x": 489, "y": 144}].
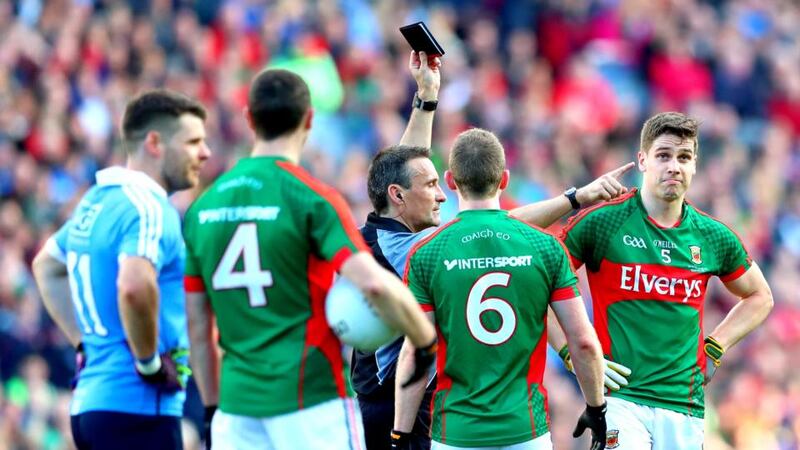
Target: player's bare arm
[
  {"x": 428, "y": 77},
  {"x": 53, "y": 282},
  {"x": 752, "y": 309},
  {"x": 587, "y": 357},
  {"x": 205, "y": 354},
  {"x": 138, "y": 299},
  {"x": 606, "y": 187},
  {"x": 392, "y": 299},
  {"x": 407, "y": 398}
]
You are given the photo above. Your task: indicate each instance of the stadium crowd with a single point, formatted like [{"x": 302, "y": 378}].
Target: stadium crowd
[{"x": 565, "y": 85}]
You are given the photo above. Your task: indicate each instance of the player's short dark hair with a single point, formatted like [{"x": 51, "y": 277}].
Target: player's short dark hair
[
  {"x": 278, "y": 100},
  {"x": 477, "y": 162},
  {"x": 674, "y": 123},
  {"x": 156, "y": 109},
  {"x": 390, "y": 166}
]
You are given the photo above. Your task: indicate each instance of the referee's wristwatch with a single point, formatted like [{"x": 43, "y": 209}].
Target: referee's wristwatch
[
  {"x": 425, "y": 105},
  {"x": 570, "y": 194}
]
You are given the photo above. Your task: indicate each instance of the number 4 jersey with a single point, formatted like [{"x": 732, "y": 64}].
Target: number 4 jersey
[
  {"x": 648, "y": 285},
  {"x": 263, "y": 242},
  {"x": 489, "y": 279}
]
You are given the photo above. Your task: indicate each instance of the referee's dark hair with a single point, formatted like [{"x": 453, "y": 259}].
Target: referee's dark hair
[
  {"x": 155, "y": 110},
  {"x": 278, "y": 100},
  {"x": 390, "y": 166}
]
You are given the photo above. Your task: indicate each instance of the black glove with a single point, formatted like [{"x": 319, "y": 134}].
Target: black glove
[
  {"x": 207, "y": 416},
  {"x": 423, "y": 358},
  {"x": 172, "y": 375},
  {"x": 80, "y": 363},
  {"x": 401, "y": 440},
  {"x": 593, "y": 418}
]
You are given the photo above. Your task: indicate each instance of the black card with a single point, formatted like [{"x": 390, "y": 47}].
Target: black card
[{"x": 421, "y": 39}]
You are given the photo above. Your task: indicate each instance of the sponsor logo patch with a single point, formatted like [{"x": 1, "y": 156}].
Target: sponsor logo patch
[
  {"x": 497, "y": 262},
  {"x": 612, "y": 439}
]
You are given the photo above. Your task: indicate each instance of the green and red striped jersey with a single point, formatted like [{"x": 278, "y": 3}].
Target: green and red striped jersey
[
  {"x": 264, "y": 242},
  {"x": 489, "y": 278},
  {"x": 648, "y": 284}
]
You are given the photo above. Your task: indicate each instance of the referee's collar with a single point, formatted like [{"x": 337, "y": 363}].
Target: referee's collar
[
  {"x": 116, "y": 176},
  {"x": 386, "y": 223}
]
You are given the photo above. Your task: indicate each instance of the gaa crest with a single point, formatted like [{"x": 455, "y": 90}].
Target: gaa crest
[
  {"x": 696, "y": 257},
  {"x": 612, "y": 439}
]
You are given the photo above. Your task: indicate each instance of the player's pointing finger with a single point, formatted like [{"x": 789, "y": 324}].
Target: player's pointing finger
[{"x": 619, "y": 171}]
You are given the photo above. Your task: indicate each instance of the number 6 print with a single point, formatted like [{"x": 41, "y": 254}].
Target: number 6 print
[{"x": 477, "y": 305}]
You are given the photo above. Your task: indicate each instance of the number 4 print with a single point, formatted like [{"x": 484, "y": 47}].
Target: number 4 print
[{"x": 244, "y": 245}]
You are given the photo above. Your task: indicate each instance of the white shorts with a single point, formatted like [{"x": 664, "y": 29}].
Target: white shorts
[
  {"x": 637, "y": 427},
  {"x": 540, "y": 443},
  {"x": 335, "y": 424}
]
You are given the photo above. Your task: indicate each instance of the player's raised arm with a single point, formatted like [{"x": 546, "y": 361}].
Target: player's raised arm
[
  {"x": 606, "y": 187},
  {"x": 391, "y": 298},
  {"x": 51, "y": 278},
  {"x": 755, "y": 303},
  {"x": 428, "y": 77}
]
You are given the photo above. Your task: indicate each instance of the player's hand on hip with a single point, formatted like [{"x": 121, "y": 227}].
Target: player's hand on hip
[
  {"x": 606, "y": 187},
  {"x": 427, "y": 76},
  {"x": 80, "y": 363},
  {"x": 615, "y": 374},
  {"x": 423, "y": 358},
  {"x": 593, "y": 418},
  {"x": 714, "y": 352},
  {"x": 167, "y": 371}
]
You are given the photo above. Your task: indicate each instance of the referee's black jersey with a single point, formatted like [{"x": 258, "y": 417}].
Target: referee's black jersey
[{"x": 373, "y": 373}]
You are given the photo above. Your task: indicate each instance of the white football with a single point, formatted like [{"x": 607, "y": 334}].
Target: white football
[{"x": 353, "y": 320}]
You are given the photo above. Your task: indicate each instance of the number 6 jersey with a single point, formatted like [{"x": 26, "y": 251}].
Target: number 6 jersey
[
  {"x": 648, "y": 285},
  {"x": 263, "y": 242},
  {"x": 489, "y": 279}
]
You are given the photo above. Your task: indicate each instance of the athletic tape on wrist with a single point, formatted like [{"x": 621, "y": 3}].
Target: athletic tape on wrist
[{"x": 148, "y": 366}]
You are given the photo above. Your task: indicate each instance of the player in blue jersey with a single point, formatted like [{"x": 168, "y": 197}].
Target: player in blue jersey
[{"x": 121, "y": 255}]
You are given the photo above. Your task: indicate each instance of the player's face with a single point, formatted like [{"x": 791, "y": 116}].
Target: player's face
[
  {"x": 668, "y": 166},
  {"x": 423, "y": 198},
  {"x": 185, "y": 152}
]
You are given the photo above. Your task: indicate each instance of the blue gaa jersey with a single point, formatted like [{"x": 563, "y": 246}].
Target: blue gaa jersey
[{"x": 125, "y": 214}]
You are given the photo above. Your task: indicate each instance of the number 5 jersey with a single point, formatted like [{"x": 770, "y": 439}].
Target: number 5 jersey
[{"x": 648, "y": 284}]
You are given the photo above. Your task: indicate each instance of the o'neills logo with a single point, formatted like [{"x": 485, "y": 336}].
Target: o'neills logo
[{"x": 635, "y": 280}]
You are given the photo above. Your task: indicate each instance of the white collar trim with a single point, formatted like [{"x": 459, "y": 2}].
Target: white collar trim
[{"x": 115, "y": 176}]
